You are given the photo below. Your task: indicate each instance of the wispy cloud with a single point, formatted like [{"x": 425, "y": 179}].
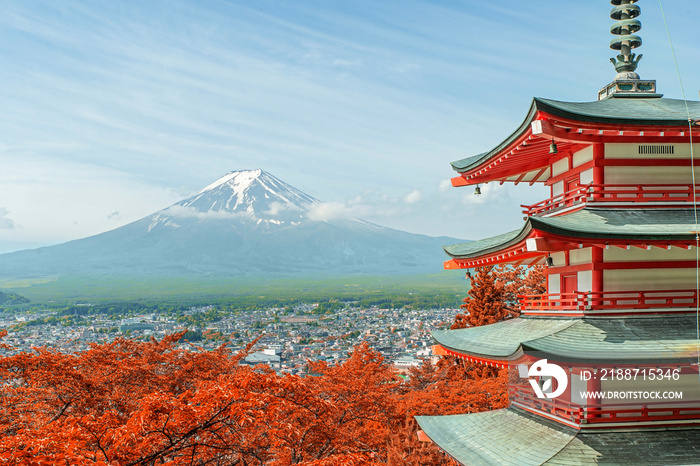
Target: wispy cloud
[
  {"x": 338, "y": 98},
  {"x": 277, "y": 208},
  {"x": 179, "y": 211},
  {"x": 371, "y": 204},
  {"x": 5, "y": 222}
]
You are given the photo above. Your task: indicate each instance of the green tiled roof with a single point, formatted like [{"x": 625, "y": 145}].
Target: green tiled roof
[
  {"x": 512, "y": 436},
  {"x": 594, "y": 340},
  {"x": 639, "y": 111},
  {"x": 635, "y": 447},
  {"x": 626, "y": 339},
  {"x": 499, "y": 437},
  {"x": 460, "y": 165},
  {"x": 652, "y": 111},
  {"x": 484, "y": 245},
  {"x": 592, "y": 223},
  {"x": 651, "y": 224},
  {"x": 499, "y": 340}
]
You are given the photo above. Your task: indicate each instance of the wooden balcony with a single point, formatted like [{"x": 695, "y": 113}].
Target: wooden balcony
[
  {"x": 605, "y": 413},
  {"x": 617, "y": 194},
  {"x": 522, "y": 396},
  {"x": 569, "y": 198},
  {"x": 580, "y": 302}
]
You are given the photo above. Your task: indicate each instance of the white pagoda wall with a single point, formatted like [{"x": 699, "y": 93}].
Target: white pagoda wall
[
  {"x": 649, "y": 279},
  {"x": 615, "y": 254},
  {"x": 631, "y": 151},
  {"x": 657, "y": 174},
  {"x": 687, "y": 384},
  {"x": 583, "y": 156},
  {"x": 645, "y": 277},
  {"x": 642, "y": 278}
]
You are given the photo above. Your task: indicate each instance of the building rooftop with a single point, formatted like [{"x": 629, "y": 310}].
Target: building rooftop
[
  {"x": 512, "y": 436},
  {"x": 500, "y": 340},
  {"x": 642, "y": 111},
  {"x": 592, "y": 223},
  {"x": 598, "y": 340}
]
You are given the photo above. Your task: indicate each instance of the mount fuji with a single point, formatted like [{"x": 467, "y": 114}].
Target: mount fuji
[{"x": 245, "y": 223}]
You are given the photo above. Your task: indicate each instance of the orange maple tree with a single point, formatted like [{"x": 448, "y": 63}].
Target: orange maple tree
[
  {"x": 494, "y": 292},
  {"x": 150, "y": 403}
]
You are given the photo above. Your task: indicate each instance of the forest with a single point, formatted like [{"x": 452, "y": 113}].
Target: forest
[{"x": 150, "y": 403}]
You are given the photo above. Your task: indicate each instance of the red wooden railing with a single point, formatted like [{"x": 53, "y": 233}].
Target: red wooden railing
[
  {"x": 598, "y": 413},
  {"x": 553, "y": 302},
  {"x": 636, "y": 412},
  {"x": 636, "y": 193},
  {"x": 643, "y": 193},
  {"x": 563, "y": 200},
  {"x": 607, "y": 300},
  {"x": 559, "y": 408}
]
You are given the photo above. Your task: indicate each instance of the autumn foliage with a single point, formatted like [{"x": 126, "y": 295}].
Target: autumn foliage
[
  {"x": 494, "y": 292},
  {"x": 150, "y": 403}
]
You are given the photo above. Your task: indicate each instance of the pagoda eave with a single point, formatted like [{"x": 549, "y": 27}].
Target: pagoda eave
[
  {"x": 589, "y": 341},
  {"x": 514, "y": 435},
  {"x": 500, "y": 342},
  {"x": 525, "y": 155},
  {"x": 439, "y": 350},
  {"x": 588, "y": 227}
]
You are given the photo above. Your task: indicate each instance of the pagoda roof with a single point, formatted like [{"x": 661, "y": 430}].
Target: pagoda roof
[
  {"x": 628, "y": 111},
  {"x": 597, "y": 340},
  {"x": 502, "y": 436},
  {"x": 589, "y": 223},
  {"x": 500, "y": 340},
  {"x": 574, "y": 125},
  {"x": 513, "y": 436}
]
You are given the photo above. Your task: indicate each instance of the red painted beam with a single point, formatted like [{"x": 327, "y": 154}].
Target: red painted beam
[{"x": 458, "y": 181}]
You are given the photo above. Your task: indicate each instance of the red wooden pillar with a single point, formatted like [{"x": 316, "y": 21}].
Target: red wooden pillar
[
  {"x": 598, "y": 169},
  {"x": 597, "y": 282},
  {"x": 597, "y": 253},
  {"x": 593, "y": 403}
]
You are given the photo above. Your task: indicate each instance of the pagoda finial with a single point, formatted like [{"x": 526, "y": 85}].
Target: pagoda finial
[
  {"x": 625, "y": 26},
  {"x": 627, "y": 82}
]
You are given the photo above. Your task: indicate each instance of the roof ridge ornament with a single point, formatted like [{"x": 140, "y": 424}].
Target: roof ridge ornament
[{"x": 627, "y": 82}]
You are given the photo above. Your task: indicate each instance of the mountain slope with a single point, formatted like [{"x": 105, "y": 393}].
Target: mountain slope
[{"x": 246, "y": 223}]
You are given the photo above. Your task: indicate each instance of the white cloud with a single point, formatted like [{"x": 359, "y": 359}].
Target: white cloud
[
  {"x": 491, "y": 192},
  {"x": 6, "y": 223},
  {"x": 372, "y": 205},
  {"x": 278, "y": 207},
  {"x": 179, "y": 211},
  {"x": 445, "y": 185},
  {"x": 330, "y": 211},
  {"x": 413, "y": 197}
]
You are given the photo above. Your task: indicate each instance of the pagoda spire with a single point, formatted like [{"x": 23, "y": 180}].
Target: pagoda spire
[
  {"x": 627, "y": 82},
  {"x": 624, "y": 14}
]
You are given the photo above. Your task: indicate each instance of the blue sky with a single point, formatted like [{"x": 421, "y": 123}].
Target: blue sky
[{"x": 113, "y": 110}]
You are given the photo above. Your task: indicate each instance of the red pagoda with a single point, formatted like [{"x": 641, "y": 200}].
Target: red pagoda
[{"x": 604, "y": 366}]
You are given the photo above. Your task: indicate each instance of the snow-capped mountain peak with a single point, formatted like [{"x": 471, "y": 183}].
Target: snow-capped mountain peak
[
  {"x": 245, "y": 223},
  {"x": 238, "y": 180},
  {"x": 252, "y": 195}
]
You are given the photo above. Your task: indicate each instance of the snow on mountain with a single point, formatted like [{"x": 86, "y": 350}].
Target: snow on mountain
[
  {"x": 247, "y": 195},
  {"x": 245, "y": 223}
]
